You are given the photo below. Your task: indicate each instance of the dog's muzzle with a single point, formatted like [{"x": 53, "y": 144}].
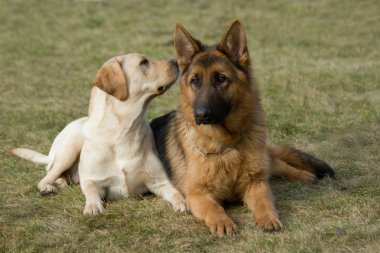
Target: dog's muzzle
[{"x": 202, "y": 116}]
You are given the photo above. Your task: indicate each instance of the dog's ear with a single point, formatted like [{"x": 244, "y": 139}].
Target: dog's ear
[
  {"x": 185, "y": 45},
  {"x": 110, "y": 78},
  {"x": 234, "y": 44}
]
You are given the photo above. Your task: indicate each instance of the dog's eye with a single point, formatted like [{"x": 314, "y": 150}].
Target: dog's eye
[
  {"x": 195, "y": 81},
  {"x": 220, "y": 78},
  {"x": 144, "y": 62}
]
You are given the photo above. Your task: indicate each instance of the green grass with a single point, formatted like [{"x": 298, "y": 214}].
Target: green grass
[{"x": 317, "y": 64}]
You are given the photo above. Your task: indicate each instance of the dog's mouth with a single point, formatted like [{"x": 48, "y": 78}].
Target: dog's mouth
[
  {"x": 161, "y": 89},
  {"x": 207, "y": 121},
  {"x": 203, "y": 122}
]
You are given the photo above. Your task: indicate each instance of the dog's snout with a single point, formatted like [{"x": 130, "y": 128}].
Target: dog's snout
[{"x": 202, "y": 115}]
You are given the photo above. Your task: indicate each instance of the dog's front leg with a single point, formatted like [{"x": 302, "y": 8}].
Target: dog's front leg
[
  {"x": 206, "y": 208},
  {"x": 94, "y": 194},
  {"x": 159, "y": 183},
  {"x": 259, "y": 199},
  {"x": 165, "y": 189}
]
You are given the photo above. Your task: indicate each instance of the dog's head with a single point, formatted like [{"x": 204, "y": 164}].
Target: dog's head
[
  {"x": 212, "y": 76},
  {"x": 134, "y": 75}
]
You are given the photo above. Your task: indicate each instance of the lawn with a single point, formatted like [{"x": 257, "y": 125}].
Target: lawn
[{"x": 317, "y": 64}]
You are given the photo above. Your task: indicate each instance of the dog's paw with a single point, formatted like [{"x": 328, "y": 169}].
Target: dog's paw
[
  {"x": 305, "y": 176},
  {"x": 61, "y": 183},
  {"x": 47, "y": 189},
  {"x": 269, "y": 223},
  {"x": 93, "y": 208},
  {"x": 179, "y": 203},
  {"x": 222, "y": 225}
]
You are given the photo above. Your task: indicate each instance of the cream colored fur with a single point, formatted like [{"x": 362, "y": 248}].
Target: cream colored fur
[{"x": 114, "y": 145}]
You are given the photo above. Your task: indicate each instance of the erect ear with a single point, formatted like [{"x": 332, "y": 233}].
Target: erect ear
[
  {"x": 185, "y": 45},
  {"x": 234, "y": 44},
  {"x": 110, "y": 78}
]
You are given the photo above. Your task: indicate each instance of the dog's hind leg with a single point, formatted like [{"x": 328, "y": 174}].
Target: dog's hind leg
[
  {"x": 63, "y": 161},
  {"x": 295, "y": 165},
  {"x": 61, "y": 182},
  {"x": 284, "y": 170},
  {"x": 65, "y": 155}
]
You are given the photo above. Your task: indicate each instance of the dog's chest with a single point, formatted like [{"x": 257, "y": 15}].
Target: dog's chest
[
  {"x": 126, "y": 183},
  {"x": 114, "y": 152},
  {"x": 222, "y": 175},
  {"x": 117, "y": 168},
  {"x": 132, "y": 175}
]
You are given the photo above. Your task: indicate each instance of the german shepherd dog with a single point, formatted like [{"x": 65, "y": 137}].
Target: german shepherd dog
[{"x": 215, "y": 144}]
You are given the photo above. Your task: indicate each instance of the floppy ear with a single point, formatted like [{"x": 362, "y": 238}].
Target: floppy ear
[
  {"x": 185, "y": 45},
  {"x": 234, "y": 44},
  {"x": 110, "y": 78}
]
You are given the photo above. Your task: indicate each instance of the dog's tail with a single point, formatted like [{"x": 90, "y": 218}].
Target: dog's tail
[
  {"x": 30, "y": 155},
  {"x": 301, "y": 160}
]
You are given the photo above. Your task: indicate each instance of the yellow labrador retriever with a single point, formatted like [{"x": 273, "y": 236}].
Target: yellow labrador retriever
[{"x": 114, "y": 146}]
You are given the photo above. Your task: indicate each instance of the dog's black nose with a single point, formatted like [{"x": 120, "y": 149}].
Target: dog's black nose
[{"x": 202, "y": 116}]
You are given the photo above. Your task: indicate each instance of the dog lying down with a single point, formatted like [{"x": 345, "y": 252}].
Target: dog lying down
[{"x": 112, "y": 150}]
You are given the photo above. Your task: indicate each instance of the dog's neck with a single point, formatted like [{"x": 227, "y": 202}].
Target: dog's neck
[
  {"x": 218, "y": 139},
  {"x": 107, "y": 113}
]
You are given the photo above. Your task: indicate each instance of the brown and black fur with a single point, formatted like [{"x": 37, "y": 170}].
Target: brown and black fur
[{"x": 215, "y": 144}]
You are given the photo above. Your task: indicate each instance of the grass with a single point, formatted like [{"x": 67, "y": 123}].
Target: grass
[{"x": 316, "y": 62}]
